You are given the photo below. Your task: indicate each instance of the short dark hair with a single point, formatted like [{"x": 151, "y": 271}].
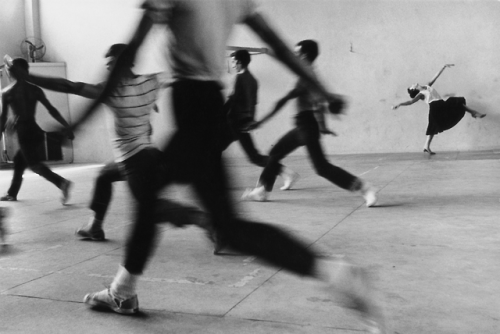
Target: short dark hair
[
  {"x": 21, "y": 63},
  {"x": 413, "y": 92},
  {"x": 310, "y": 48},
  {"x": 115, "y": 50},
  {"x": 242, "y": 56}
]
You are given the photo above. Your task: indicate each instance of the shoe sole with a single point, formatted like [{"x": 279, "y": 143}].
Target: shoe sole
[
  {"x": 88, "y": 236},
  {"x": 87, "y": 300}
]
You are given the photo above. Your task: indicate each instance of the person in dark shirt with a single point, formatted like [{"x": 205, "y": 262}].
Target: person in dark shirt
[{"x": 240, "y": 108}]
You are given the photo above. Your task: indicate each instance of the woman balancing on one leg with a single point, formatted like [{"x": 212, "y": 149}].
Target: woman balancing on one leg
[
  {"x": 443, "y": 115},
  {"x": 310, "y": 124}
]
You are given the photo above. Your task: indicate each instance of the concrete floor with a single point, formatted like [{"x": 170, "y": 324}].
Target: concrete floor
[{"x": 431, "y": 246}]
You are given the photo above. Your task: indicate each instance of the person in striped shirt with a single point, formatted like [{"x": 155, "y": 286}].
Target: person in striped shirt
[{"x": 131, "y": 103}]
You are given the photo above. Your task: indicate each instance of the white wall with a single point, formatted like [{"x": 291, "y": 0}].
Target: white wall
[
  {"x": 12, "y": 30},
  {"x": 371, "y": 51}
]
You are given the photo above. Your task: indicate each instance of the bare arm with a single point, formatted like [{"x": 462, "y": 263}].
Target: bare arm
[
  {"x": 283, "y": 53},
  {"x": 65, "y": 86},
  {"x": 439, "y": 73},
  {"x": 60, "y": 84},
  {"x": 279, "y": 105},
  {"x": 419, "y": 96},
  {"x": 55, "y": 113}
]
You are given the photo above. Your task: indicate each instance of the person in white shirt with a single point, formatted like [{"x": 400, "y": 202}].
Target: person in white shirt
[
  {"x": 199, "y": 30},
  {"x": 443, "y": 114}
]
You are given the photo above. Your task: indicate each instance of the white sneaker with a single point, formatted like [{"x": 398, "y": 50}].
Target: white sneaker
[
  {"x": 369, "y": 194},
  {"x": 258, "y": 194},
  {"x": 289, "y": 178}
]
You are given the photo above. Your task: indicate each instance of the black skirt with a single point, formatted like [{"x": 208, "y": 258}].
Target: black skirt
[{"x": 443, "y": 115}]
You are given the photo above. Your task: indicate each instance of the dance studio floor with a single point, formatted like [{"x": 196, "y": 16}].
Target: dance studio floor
[{"x": 431, "y": 246}]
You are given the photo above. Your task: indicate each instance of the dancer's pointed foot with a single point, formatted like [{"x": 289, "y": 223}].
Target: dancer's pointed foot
[{"x": 428, "y": 150}]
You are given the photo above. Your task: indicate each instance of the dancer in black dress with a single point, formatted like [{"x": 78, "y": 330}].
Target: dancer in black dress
[{"x": 443, "y": 114}]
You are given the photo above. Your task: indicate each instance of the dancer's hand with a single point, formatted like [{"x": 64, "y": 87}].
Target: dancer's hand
[
  {"x": 395, "y": 107},
  {"x": 69, "y": 133},
  {"x": 448, "y": 65},
  {"x": 252, "y": 126},
  {"x": 336, "y": 104},
  {"x": 327, "y": 132}
]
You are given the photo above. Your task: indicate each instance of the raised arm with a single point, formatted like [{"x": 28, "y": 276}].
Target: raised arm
[
  {"x": 283, "y": 53},
  {"x": 59, "y": 84},
  {"x": 439, "y": 73},
  {"x": 419, "y": 96}
]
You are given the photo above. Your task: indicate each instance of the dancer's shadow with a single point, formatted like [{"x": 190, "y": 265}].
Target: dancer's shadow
[
  {"x": 7, "y": 249},
  {"x": 389, "y": 205}
]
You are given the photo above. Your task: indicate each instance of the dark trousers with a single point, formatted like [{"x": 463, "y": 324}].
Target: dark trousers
[
  {"x": 234, "y": 133},
  {"x": 165, "y": 210},
  {"x": 30, "y": 138},
  {"x": 103, "y": 188},
  {"x": 306, "y": 133},
  {"x": 193, "y": 156}
]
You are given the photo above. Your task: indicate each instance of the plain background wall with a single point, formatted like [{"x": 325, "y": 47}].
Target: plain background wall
[
  {"x": 371, "y": 51},
  {"x": 12, "y": 30}
]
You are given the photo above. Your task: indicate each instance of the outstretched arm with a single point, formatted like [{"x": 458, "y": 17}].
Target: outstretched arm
[
  {"x": 419, "y": 96},
  {"x": 59, "y": 84},
  {"x": 261, "y": 27},
  {"x": 439, "y": 73},
  {"x": 65, "y": 86},
  {"x": 122, "y": 62},
  {"x": 279, "y": 105}
]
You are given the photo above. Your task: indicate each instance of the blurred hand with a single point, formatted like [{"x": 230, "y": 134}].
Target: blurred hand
[
  {"x": 336, "y": 104},
  {"x": 327, "y": 132},
  {"x": 252, "y": 126},
  {"x": 70, "y": 134}
]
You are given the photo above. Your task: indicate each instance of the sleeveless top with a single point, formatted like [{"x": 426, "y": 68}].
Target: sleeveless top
[{"x": 430, "y": 94}]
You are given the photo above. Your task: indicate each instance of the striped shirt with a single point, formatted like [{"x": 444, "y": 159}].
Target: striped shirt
[{"x": 131, "y": 103}]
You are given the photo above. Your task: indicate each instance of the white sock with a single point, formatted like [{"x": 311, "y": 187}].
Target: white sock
[{"x": 124, "y": 283}]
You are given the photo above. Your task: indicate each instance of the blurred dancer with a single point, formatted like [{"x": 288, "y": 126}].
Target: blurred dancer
[
  {"x": 197, "y": 54},
  {"x": 240, "y": 107},
  {"x": 132, "y": 104},
  {"x": 22, "y": 97},
  {"x": 310, "y": 124}
]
